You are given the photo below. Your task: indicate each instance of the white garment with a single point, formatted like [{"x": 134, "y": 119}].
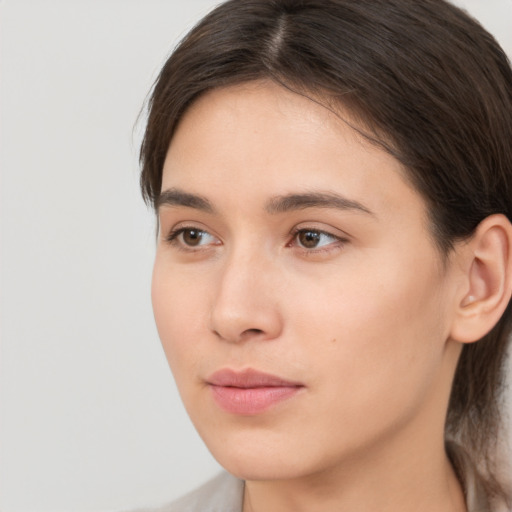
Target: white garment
[
  {"x": 224, "y": 493},
  {"x": 476, "y": 498}
]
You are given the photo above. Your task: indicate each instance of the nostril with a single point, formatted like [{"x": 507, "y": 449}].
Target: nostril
[
  {"x": 237, "y": 316},
  {"x": 249, "y": 332}
]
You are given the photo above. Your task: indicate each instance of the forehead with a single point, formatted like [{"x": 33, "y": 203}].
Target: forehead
[
  {"x": 261, "y": 139},
  {"x": 265, "y": 104}
]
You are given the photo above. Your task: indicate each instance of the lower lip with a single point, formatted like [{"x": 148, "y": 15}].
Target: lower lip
[{"x": 250, "y": 401}]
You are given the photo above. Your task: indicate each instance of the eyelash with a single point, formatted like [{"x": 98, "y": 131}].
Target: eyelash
[
  {"x": 173, "y": 239},
  {"x": 336, "y": 243}
]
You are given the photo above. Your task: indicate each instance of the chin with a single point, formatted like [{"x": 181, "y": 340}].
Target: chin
[
  {"x": 253, "y": 466},
  {"x": 251, "y": 455},
  {"x": 266, "y": 455}
]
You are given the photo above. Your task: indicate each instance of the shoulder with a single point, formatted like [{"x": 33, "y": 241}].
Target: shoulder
[
  {"x": 477, "y": 497},
  {"x": 224, "y": 493}
]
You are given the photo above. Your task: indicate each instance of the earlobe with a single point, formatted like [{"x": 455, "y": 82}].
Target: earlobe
[{"x": 488, "y": 280}]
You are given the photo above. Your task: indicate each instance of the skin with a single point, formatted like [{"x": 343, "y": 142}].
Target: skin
[{"x": 362, "y": 320}]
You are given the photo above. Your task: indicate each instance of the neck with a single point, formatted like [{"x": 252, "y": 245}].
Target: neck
[{"x": 389, "y": 482}]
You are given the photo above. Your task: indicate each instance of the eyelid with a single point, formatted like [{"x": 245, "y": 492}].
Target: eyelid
[
  {"x": 338, "y": 240},
  {"x": 172, "y": 237}
]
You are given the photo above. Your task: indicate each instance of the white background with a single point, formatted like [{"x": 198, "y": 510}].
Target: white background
[{"x": 90, "y": 419}]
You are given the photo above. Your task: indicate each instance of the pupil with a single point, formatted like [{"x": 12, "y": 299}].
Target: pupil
[
  {"x": 192, "y": 236},
  {"x": 309, "y": 239}
]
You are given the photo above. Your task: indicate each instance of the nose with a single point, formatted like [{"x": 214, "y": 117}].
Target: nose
[{"x": 246, "y": 304}]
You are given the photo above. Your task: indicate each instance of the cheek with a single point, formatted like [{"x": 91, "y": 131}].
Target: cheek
[
  {"x": 178, "y": 315},
  {"x": 381, "y": 331}
]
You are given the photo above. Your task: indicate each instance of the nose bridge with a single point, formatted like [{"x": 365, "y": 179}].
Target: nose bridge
[{"x": 245, "y": 304}]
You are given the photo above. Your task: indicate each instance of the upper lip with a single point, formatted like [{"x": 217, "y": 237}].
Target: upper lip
[{"x": 248, "y": 378}]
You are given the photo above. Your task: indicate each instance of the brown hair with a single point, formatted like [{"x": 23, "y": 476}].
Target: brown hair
[{"x": 431, "y": 86}]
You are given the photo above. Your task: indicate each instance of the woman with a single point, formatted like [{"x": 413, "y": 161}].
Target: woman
[{"x": 332, "y": 180}]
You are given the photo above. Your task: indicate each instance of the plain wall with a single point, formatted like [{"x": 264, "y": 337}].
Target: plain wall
[{"x": 90, "y": 418}]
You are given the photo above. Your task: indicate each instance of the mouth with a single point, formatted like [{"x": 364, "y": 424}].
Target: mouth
[{"x": 250, "y": 392}]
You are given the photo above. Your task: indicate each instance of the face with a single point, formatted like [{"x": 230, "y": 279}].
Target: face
[{"x": 301, "y": 303}]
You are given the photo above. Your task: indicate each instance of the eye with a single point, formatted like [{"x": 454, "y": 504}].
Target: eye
[
  {"x": 314, "y": 238},
  {"x": 190, "y": 237}
]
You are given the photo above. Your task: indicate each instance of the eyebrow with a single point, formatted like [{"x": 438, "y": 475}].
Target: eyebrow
[
  {"x": 275, "y": 205},
  {"x": 292, "y": 202},
  {"x": 176, "y": 197}
]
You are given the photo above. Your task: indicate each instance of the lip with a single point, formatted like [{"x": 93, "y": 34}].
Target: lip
[{"x": 250, "y": 392}]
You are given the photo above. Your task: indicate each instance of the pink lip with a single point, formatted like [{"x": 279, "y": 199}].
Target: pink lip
[{"x": 249, "y": 392}]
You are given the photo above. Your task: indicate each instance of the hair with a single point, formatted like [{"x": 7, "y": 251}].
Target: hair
[{"x": 427, "y": 83}]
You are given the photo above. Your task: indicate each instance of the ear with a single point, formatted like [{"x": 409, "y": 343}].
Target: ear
[{"x": 487, "y": 283}]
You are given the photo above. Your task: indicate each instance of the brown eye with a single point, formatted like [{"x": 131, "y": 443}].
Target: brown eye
[
  {"x": 315, "y": 239},
  {"x": 308, "y": 239},
  {"x": 192, "y": 237}
]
